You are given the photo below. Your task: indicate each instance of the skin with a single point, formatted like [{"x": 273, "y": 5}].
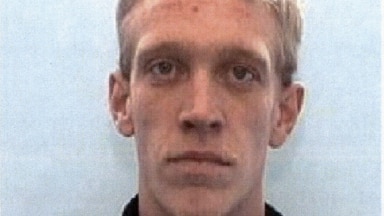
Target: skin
[{"x": 203, "y": 102}]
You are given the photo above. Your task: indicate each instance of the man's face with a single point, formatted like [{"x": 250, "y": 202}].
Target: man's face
[{"x": 203, "y": 101}]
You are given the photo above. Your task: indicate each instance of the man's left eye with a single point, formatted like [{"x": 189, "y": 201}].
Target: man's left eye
[{"x": 242, "y": 74}]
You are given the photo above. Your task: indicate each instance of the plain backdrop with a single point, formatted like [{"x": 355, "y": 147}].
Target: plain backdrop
[{"x": 60, "y": 154}]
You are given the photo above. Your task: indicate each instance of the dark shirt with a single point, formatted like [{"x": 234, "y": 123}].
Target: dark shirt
[{"x": 132, "y": 208}]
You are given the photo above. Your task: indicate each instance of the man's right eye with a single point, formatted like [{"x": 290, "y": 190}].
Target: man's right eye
[{"x": 163, "y": 70}]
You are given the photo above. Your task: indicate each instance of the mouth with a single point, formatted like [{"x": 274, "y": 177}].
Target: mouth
[
  {"x": 200, "y": 168},
  {"x": 201, "y": 157}
]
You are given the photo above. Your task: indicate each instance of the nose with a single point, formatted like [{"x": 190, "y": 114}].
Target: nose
[{"x": 202, "y": 111}]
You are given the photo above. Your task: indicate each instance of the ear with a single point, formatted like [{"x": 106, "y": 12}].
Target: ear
[
  {"x": 286, "y": 113},
  {"x": 120, "y": 103}
]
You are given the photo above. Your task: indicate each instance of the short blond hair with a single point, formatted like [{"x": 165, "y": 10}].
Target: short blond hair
[{"x": 289, "y": 15}]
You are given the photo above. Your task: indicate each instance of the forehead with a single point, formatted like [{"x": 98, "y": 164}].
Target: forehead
[
  {"x": 239, "y": 8},
  {"x": 244, "y": 13},
  {"x": 201, "y": 22}
]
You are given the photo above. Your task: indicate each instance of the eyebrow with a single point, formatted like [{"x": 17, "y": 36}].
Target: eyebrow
[
  {"x": 236, "y": 52},
  {"x": 174, "y": 49}
]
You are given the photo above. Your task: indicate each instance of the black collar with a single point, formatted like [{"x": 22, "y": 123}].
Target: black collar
[{"x": 132, "y": 208}]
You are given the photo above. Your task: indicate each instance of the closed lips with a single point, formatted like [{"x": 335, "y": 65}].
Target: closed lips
[{"x": 196, "y": 156}]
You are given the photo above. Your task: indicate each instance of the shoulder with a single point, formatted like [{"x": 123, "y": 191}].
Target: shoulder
[
  {"x": 270, "y": 211},
  {"x": 132, "y": 208}
]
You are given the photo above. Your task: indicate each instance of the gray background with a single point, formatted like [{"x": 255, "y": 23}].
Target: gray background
[{"x": 60, "y": 154}]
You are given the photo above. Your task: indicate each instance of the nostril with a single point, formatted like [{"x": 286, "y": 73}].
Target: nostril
[
  {"x": 201, "y": 125},
  {"x": 215, "y": 125},
  {"x": 188, "y": 125}
]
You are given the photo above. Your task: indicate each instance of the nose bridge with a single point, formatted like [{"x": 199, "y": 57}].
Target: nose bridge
[
  {"x": 201, "y": 111},
  {"x": 203, "y": 93}
]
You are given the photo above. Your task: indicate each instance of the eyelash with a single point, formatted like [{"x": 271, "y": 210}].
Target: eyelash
[
  {"x": 245, "y": 69},
  {"x": 250, "y": 77},
  {"x": 158, "y": 76}
]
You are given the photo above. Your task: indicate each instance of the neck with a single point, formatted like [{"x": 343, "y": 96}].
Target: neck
[{"x": 252, "y": 204}]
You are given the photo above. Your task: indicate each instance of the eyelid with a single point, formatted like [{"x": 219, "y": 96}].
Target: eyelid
[
  {"x": 164, "y": 50},
  {"x": 150, "y": 63},
  {"x": 250, "y": 68}
]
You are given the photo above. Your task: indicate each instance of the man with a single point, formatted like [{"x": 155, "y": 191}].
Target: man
[{"x": 205, "y": 87}]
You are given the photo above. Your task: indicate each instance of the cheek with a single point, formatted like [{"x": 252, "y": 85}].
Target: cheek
[
  {"x": 253, "y": 117},
  {"x": 152, "y": 109},
  {"x": 143, "y": 116},
  {"x": 251, "y": 127},
  {"x": 253, "y": 153},
  {"x": 153, "y": 117}
]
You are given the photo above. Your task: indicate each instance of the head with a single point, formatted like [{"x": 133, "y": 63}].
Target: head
[{"x": 205, "y": 87}]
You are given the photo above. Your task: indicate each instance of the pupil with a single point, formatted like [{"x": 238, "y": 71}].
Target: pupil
[
  {"x": 239, "y": 73},
  {"x": 164, "y": 68}
]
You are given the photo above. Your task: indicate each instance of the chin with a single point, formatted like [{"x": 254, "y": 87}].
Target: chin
[{"x": 199, "y": 202}]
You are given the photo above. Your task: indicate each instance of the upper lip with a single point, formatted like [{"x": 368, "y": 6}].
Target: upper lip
[{"x": 202, "y": 156}]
